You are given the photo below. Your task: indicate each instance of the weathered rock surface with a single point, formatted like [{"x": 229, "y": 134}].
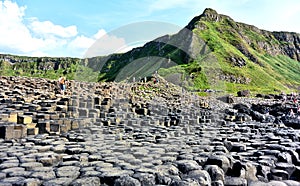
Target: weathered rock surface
[{"x": 139, "y": 134}]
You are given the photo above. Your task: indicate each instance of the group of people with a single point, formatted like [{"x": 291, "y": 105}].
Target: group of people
[{"x": 294, "y": 99}]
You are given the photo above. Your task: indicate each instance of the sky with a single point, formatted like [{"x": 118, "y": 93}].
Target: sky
[{"x": 69, "y": 28}]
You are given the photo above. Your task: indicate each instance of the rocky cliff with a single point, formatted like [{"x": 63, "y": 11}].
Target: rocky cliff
[{"x": 50, "y": 67}]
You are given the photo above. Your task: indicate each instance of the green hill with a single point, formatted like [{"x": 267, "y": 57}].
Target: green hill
[
  {"x": 45, "y": 67},
  {"x": 214, "y": 52},
  {"x": 267, "y": 61},
  {"x": 211, "y": 52}
]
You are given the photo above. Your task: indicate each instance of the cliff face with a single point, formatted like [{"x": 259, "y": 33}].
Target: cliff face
[
  {"x": 41, "y": 63},
  {"x": 247, "y": 37},
  {"x": 49, "y": 67},
  {"x": 290, "y": 46},
  {"x": 274, "y": 43}
]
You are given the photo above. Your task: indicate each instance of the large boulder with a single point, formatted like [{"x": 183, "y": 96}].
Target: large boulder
[
  {"x": 127, "y": 181},
  {"x": 215, "y": 172},
  {"x": 242, "y": 108},
  {"x": 186, "y": 166},
  {"x": 220, "y": 160},
  {"x": 202, "y": 177}
]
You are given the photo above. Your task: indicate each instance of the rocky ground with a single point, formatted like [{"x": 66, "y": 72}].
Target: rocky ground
[{"x": 143, "y": 134}]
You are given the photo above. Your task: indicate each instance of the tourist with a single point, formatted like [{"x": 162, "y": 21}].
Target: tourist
[
  {"x": 291, "y": 113},
  {"x": 295, "y": 101},
  {"x": 62, "y": 85},
  {"x": 284, "y": 98}
]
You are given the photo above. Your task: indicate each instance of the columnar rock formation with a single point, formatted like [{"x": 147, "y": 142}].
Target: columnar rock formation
[{"x": 136, "y": 134}]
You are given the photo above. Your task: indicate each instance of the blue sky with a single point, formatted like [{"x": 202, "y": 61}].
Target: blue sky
[{"x": 70, "y": 27}]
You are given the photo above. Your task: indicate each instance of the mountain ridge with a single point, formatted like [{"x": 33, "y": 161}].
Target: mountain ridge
[
  {"x": 243, "y": 57},
  {"x": 236, "y": 45}
]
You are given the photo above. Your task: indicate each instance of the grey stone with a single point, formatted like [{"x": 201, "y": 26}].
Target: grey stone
[
  {"x": 202, "y": 177},
  {"x": 13, "y": 180},
  {"x": 2, "y": 183},
  {"x": 13, "y": 169},
  {"x": 2, "y": 175},
  {"x": 277, "y": 174},
  {"x": 235, "y": 181},
  {"x": 277, "y": 183},
  {"x": 126, "y": 181},
  {"x": 44, "y": 175},
  {"x": 110, "y": 175},
  {"x": 58, "y": 181},
  {"x": 24, "y": 174},
  {"x": 291, "y": 182},
  {"x": 289, "y": 168},
  {"x": 86, "y": 181},
  {"x": 217, "y": 183},
  {"x": 187, "y": 182},
  {"x": 90, "y": 173},
  {"x": 219, "y": 160},
  {"x": 238, "y": 147},
  {"x": 30, "y": 165},
  {"x": 69, "y": 163},
  {"x": 285, "y": 157},
  {"x": 258, "y": 183},
  {"x": 187, "y": 165},
  {"x": 6, "y": 165},
  {"x": 168, "y": 169},
  {"x": 163, "y": 179},
  {"x": 145, "y": 178},
  {"x": 251, "y": 171},
  {"x": 31, "y": 182},
  {"x": 215, "y": 172},
  {"x": 68, "y": 171}
]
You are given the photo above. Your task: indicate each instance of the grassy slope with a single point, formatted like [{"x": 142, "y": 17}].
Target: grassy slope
[{"x": 276, "y": 73}]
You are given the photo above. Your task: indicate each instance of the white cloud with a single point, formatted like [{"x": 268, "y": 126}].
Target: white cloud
[
  {"x": 100, "y": 34},
  {"x": 14, "y": 34},
  {"x": 48, "y": 28},
  {"x": 37, "y": 38},
  {"x": 107, "y": 44},
  {"x": 81, "y": 42},
  {"x": 78, "y": 46}
]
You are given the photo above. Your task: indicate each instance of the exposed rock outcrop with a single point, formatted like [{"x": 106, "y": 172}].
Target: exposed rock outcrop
[{"x": 139, "y": 134}]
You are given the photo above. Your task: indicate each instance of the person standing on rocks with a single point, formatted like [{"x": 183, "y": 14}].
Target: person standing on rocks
[
  {"x": 62, "y": 85},
  {"x": 291, "y": 113}
]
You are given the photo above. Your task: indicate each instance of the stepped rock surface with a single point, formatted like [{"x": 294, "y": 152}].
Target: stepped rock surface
[{"x": 143, "y": 134}]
